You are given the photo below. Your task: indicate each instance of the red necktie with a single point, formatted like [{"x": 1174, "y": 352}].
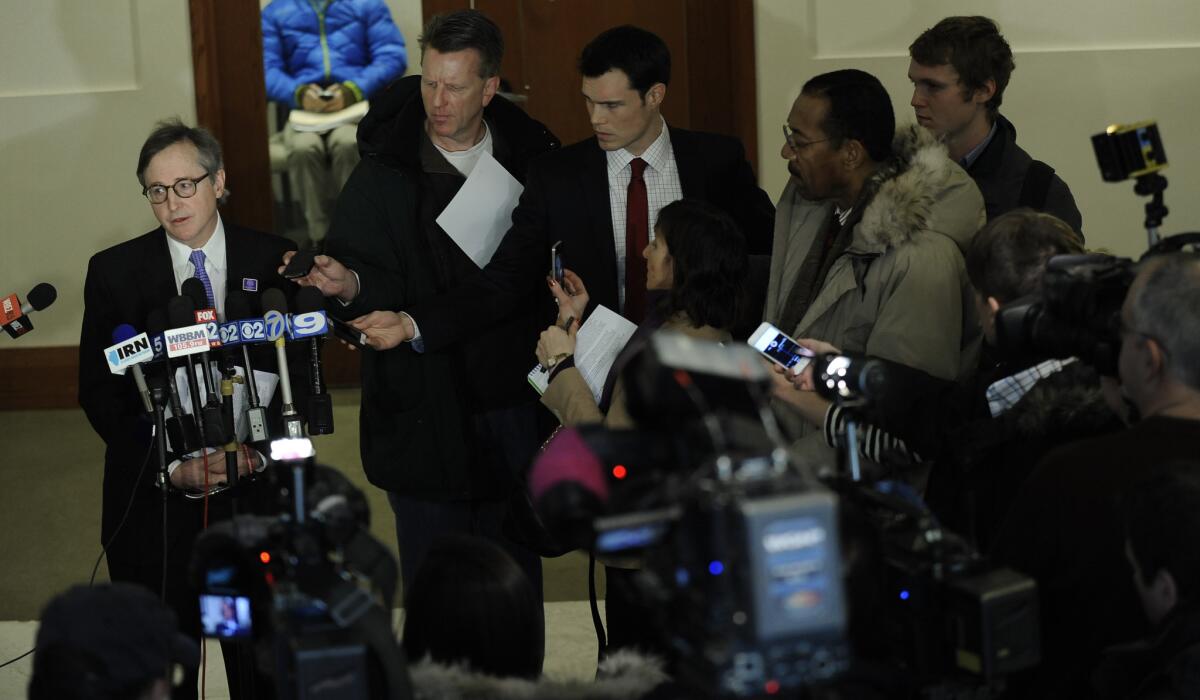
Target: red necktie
[{"x": 637, "y": 237}]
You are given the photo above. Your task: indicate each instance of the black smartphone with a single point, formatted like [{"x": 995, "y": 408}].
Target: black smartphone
[
  {"x": 300, "y": 264},
  {"x": 350, "y": 334},
  {"x": 556, "y": 264}
]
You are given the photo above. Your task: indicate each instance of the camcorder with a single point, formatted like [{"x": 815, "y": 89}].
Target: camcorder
[
  {"x": 1077, "y": 313},
  {"x": 307, "y": 591},
  {"x": 744, "y": 555}
]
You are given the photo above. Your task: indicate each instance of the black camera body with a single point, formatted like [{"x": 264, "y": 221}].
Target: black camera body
[
  {"x": 750, "y": 586},
  {"x": 1077, "y": 313},
  {"x": 944, "y": 615},
  {"x": 309, "y": 589},
  {"x": 742, "y": 552},
  {"x": 1125, "y": 151}
]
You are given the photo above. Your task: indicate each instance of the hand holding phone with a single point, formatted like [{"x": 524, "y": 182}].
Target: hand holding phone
[
  {"x": 349, "y": 334},
  {"x": 300, "y": 264},
  {"x": 556, "y": 264},
  {"x": 780, "y": 348}
]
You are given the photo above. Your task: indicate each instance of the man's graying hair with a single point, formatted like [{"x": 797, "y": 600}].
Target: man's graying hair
[
  {"x": 462, "y": 30},
  {"x": 1167, "y": 308},
  {"x": 169, "y": 132}
]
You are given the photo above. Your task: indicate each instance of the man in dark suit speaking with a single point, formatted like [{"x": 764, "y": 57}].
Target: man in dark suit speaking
[{"x": 183, "y": 177}]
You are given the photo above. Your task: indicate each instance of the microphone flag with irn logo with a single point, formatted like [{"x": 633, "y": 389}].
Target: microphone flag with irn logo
[{"x": 129, "y": 350}]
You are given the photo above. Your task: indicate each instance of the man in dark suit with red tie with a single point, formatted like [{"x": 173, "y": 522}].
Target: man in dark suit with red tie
[
  {"x": 600, "y": 197},
  {"x": 183, "y": 177}
]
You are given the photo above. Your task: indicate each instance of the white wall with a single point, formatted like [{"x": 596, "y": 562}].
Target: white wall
[
  {"x": 1081, "y": 65},
  {"x": 81, "y": 84},
  {"x": 407, "y": 14}
]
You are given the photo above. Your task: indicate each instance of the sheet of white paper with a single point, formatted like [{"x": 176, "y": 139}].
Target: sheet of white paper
[
  {"x": 481, "y": 213},
  {"x": 266, "y": 382},
  {"x": 599, "y": 341}
]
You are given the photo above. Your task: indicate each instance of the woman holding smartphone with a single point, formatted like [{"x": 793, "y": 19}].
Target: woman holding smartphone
[{"x": 696, "y": 268}]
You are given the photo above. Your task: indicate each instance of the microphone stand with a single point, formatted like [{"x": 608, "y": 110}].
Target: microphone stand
[
  {"x": 256, "y": 415},
  {"x": 228, "y": 379},
  {"x": 158, "y": 396}
]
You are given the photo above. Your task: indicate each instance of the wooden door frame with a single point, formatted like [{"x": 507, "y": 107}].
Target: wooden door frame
[{"x": 231, "y": 102}]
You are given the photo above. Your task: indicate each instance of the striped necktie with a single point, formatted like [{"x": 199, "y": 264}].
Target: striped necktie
[{"x": 197, "y": 259}]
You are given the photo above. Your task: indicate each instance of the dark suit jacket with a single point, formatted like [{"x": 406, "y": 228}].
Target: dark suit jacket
[
  {"x": 566, "y": 198},
  {"x": 123, "y": 284},
  {"x": 1000, "y": 172}
]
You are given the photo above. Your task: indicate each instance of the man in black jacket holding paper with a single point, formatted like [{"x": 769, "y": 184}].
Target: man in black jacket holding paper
[{"x": 444, "y": 432}]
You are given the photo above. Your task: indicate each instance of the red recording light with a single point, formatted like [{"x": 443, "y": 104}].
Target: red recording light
[
  {"x": 619, "y": 471},
  {"x": 772, "y": 687},
  {"x": 264, "y": 557}
]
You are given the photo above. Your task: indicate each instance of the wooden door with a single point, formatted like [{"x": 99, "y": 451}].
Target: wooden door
[{"x": 712, "y": 58}]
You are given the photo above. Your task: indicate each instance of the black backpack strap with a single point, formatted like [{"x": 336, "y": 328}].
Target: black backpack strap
[{"x": 1036, "y": 186}]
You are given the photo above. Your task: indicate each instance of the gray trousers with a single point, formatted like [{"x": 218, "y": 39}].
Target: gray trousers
[{"x": 319, "y": 165}]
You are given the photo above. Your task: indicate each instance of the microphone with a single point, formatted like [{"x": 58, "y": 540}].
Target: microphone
[
  {"x": 180, "y": 426},
  {"x": 569, "y": 489},
  {"x": 129, "y": 350},
  {"x": 15, "y": 315},
  {"x": 320, "y": 406},
  {"x": 275, "y": 318},
  {"x": 203, "y": 314},
  {"x": 237, "y": 310},
  {"x": 186, "y": 339}
]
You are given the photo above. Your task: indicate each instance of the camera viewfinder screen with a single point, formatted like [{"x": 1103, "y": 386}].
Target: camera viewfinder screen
[
  {"x": 225, "y": 617},
  {"x": 799, "y": 579}
]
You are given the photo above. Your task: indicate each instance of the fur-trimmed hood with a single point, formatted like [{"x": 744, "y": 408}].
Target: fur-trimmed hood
[
  {"x": 1068, "y": 403},
  {"x": 622, "y": 676},
  {"x": 903, "y": 193}
]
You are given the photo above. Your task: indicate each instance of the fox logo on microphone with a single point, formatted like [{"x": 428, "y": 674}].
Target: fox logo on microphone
[
  {"x": 10, "y": 309},
  {"x": 127, "y": 353}
]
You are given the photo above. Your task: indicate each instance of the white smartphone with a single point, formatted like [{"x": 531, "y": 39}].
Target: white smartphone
[{"x": 780, "y": 348}]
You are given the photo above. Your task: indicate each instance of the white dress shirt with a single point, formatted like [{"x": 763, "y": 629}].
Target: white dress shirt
[
  {"x": 215, "y": 264},
  {"x": 662, "y": 188}
]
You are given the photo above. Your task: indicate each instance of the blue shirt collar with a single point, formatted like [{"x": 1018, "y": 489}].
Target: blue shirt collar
[{"x": 969, "y": 159}]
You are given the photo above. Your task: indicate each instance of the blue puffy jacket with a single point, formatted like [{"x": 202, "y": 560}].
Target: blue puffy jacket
[{"x": 353, "y": 42}]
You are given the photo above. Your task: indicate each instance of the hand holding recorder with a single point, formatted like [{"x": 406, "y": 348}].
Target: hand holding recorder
[
  {"x": 329, "y": 276},
  {"x": 384, "y": 329}
]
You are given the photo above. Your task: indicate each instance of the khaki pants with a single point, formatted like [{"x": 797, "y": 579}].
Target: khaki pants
[{"x": 319, "y": 165}]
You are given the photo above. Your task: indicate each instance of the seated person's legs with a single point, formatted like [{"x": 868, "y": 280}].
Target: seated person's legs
[
  {"x": 342, "y": 144},
  {"x": 308, "y": 166}
]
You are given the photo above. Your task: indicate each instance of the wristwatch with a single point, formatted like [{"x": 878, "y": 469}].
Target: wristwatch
[{"x": 551, "y": 362}]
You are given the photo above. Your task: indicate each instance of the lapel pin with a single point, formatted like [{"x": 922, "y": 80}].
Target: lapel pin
[{"x": 249, "y": 284}]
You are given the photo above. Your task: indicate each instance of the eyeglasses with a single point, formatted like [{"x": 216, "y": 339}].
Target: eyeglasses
[
  {"x": 157, "y": 194},
  {"x": 789, "y": 136}
]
